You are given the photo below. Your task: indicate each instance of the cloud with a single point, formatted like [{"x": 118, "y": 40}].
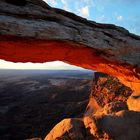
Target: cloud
[
  {"x": 83, "y": 7},
  {"x": 119, "y": 18},
  {"x": 51, "y": 2},
  {"x": 101, "y": 18},
  {"x": 84, "y": 11},
  {"x": 133, "y": 24},
  {"x": 88, "y": 2},
  {"x": 65, "y": 5}
]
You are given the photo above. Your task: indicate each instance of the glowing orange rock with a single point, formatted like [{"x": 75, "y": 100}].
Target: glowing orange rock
[{"x": 39, "y": 33}]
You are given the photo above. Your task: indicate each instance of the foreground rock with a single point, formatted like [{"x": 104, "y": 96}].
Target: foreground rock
[
  {"x": 120, "y": 125},
  {"x": 68, "y": 129},
  {"x": 106, "y": 118}
]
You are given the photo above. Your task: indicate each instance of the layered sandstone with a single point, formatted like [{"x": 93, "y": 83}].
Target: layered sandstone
[
  {"x": 106, "y": 118},
  {"x": 36, "y": 32},
  {"x": 32, "y": 31},
  {"x": 106, "y": 89}
]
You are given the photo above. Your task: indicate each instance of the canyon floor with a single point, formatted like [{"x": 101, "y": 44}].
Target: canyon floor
[{"x": 32, "y": 102}]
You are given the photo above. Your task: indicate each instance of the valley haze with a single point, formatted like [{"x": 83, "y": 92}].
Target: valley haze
[{"x": 33, "y": 101}]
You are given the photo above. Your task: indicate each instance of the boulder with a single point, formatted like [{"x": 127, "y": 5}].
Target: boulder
[
  {"x": 122, "y": 125},
  {"x": 67, "y": 129}
]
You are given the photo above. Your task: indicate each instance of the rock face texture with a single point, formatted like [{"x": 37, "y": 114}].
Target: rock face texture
[
  {"x": 68, "y": 129},
  {"x": 32, "y": 31},
  {"x": 106, "y": 118},
  {"x": 106, "y": 89}
]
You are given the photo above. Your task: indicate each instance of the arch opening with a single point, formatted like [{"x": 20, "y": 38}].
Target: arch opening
[
  {"x": 53, "y": 65},
  {"x": 36, "y": 100},
  {"x": 46, "y": 34},
  {"x": 17, "y": 49}
]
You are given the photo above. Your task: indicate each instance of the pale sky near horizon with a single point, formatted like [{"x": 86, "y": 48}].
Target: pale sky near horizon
[
  {"x": 125, "y": 13},
  {"x": 49, "y": 65}
]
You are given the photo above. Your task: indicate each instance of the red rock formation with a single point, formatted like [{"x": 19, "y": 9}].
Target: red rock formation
[
  {"x": 106, "y": 89},
  {"x": 36, "y": 32},
  {"x": 121, "y": 125},
  {"x": 106, "y": 118},
  {"x": 106, "y": 124},
  {"x": 68, "y": 129}
]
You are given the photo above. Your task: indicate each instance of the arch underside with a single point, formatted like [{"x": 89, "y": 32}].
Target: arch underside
[
  {"x": 17, "y": 49},
  {"x": 39, "y": 33}
]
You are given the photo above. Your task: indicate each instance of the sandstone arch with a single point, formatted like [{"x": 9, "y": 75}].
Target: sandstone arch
[{"x": 37, "y": 32}]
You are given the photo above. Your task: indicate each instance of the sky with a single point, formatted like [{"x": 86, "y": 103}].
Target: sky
[
  {"x": 48, "y": 66},
  {"x": 125, "y": 13}
]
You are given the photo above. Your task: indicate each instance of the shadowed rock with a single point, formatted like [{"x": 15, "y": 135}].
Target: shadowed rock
[
  {"x": 110, "y": 120},
  {"x": 17, "y": 2},
  {"x": 68, "y": 129}
]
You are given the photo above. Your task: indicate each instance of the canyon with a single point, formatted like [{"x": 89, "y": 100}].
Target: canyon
[
  {"x": 106, "y": 117},
  {"x": 33, "y": 31},
  {"x": 32, "y": 102}
]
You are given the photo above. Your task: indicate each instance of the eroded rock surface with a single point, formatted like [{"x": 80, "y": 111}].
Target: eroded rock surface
[
  {"x": 106, "y": 117},
  {"x": 122, "y": 125},
  {"x": 68, "y": 129},
  {"x": 106, "y": 89},
  {"x": 36, "y": 32}
]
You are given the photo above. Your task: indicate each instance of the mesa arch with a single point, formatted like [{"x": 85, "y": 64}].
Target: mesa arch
[{"x": 35, "y": 32}]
